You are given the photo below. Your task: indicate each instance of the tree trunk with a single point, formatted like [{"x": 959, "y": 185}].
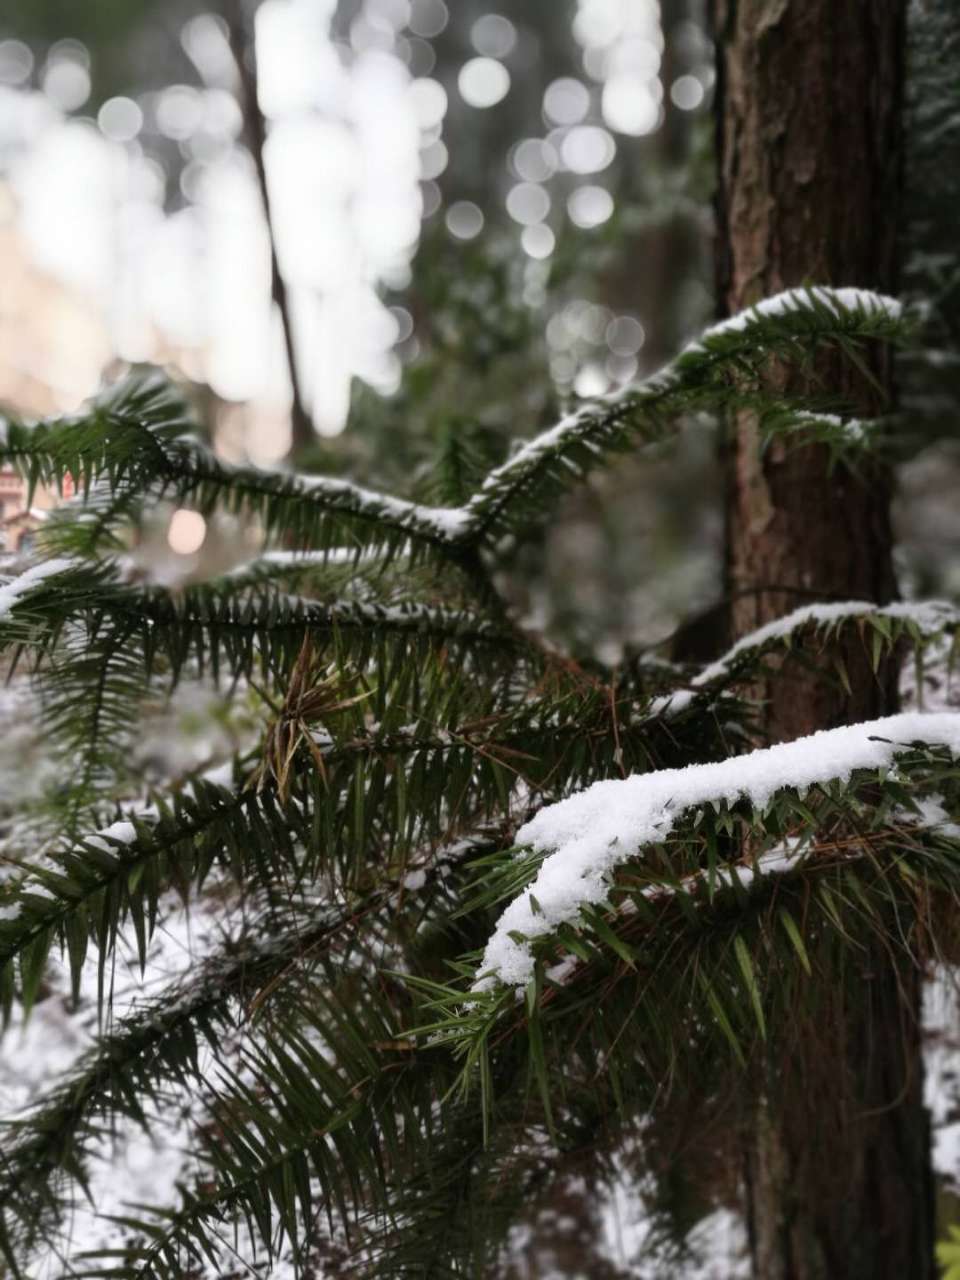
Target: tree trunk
[
  {"x": 837, "y": 1180},
  {"x": 242, "y": 45}
]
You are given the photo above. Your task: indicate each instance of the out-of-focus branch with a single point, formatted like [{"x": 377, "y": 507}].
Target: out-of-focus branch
[{"x": 240, "y": 34}]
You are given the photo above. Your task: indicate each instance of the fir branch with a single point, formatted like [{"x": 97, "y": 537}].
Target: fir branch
[
  {"x": 592, "y": 834},
  {"x": 882, "y": 627},
  {"x": 86, "y": 892},
  {"x": 710, "y": 965},
  {"x": 158, "y": 1045},
  {"x": 128, "y": 440},
  {"x": 708, "y": 374}
]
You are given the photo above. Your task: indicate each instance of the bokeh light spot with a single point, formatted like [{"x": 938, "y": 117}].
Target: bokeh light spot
[
  {"x": 120, "y": 119},
  {"x": 686, "y": 92},
  {"x": 528, "y": 203},
  {"x": 493, "y": 36},
  {"x": 629, "y": 106},
  {"x": 179, "y": 112},
  {"x": 428, "y": 17},
  {"x": 587, "y": 149},
  {"x": 589, "y": 206},
  {"x": 534, "y": 160},
  {"x": 66, "y": 82},
  {"x": 625, "y": 335},
  {"x": 186, "y": 532},
  {"x": 429, "y": 99},
  {"x": 464, "y": 220},
  {"x": 538, "y": 241},
  {"x": 591, "y": 381},
  {"x": 566, "y": 101},
  {"x": 16, "y": 62},
  {"x": 433, "y": 160},
  {"x": 483, "y": 82}
]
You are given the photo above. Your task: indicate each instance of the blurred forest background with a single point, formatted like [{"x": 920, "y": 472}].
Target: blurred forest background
[
  {"x": 386, "y": 239},
  {"x": 477, "y": 217},
  {"x": 448, "y": 222}
]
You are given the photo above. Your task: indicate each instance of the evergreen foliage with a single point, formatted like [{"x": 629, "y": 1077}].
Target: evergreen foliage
[{"x": 350, "y": 1091}]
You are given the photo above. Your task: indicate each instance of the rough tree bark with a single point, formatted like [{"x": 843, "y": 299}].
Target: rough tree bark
[{"x": 837, "y": 1181}]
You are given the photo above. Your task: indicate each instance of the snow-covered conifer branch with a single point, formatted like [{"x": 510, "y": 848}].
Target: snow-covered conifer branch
[
  {"x": 127, "y": 440},
  {"x": 397, "y": 720},
  {"x": 700, "y": 377},
  {"x": 588, "y": 836},
  {"x": 920, "y": 622}
]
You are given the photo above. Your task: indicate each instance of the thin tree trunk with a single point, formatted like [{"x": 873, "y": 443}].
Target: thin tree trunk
[
  {"x": 837, "y": 1166},
  {"x": 242, "y": 46}
]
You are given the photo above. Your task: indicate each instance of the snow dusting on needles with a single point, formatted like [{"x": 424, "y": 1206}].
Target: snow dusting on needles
[
  {"x": 12, "y": 591},
  {"x": 449, "y": 524},
  {"x": 118, "y": 833},
  {"x": 589, "y": 834},
  {"x": 781, "y": 303},
  {"x": 930, "y": 616},
  {"x": 838, "y": 300}
]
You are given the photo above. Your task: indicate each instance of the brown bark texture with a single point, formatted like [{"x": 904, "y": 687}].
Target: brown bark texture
[
  {"x": 809, "y": 153},
  {"x": 837, "y": 1164}
]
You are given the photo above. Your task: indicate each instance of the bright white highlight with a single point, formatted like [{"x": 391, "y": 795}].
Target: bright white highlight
[
  {"x": 629, "y": 106},
  {"x": 587, "y": 149},
  {"x": 591, "y": 381},
  {"x": 187, "y": 532},
  {"x": 538, "y": 241},
  {"x": 67, "y": 83},
  {"x": 120, "y": 119},
  {"x": 429, "y": 100},
  {"x": 179, "y": 112},
  {"x": 483, "y": 82},
  {"x": 589, "y": 206}
]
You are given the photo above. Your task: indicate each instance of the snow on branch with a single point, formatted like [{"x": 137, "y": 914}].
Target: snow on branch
[
  {"x": 694, "y": 379},
  {"x": 842, "y": 302},
  {"x": 15, "y": 589},
  {"x": 193, "y": 467},
  {"x": 590, "y": 834},
  {"x": 136, "y": 435},
  {"x": 921, "y": 619}
]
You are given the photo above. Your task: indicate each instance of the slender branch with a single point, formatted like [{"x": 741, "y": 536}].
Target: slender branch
[{"x": 242, "y": 47}]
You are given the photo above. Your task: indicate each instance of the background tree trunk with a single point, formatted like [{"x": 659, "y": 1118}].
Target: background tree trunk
[
  {"x": 837, "y": 1173},
  {"x": 240, "y": 32}
]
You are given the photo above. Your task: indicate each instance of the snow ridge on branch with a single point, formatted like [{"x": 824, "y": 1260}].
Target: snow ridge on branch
[
  {"x": 590, "y": 834},
  {"x": 922, "y": 619}
]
